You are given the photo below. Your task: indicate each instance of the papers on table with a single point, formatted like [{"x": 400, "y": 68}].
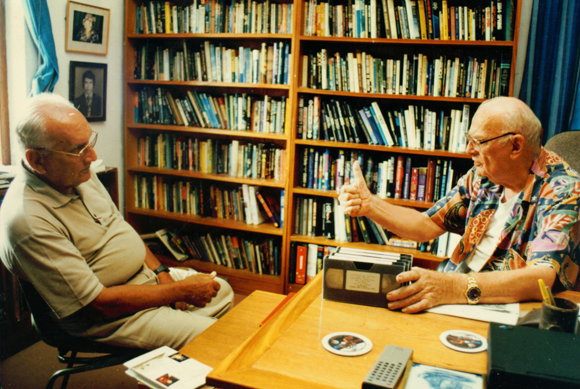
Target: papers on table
[
  {"x": 166, "y": 367},
  {"x": 428, "y": 377},
  {"x": 498, "y": 313}
]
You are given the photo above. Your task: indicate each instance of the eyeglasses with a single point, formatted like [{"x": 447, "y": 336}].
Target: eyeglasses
[
  {"x": 81, "y": 154},
  {"x": 477, "y": 143}
]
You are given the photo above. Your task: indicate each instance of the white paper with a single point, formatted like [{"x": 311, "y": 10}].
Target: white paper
[
  {"x": 165, "y": 367},
  {"x": 498, "y": 313},
  {"x": 428, "y": 377}
]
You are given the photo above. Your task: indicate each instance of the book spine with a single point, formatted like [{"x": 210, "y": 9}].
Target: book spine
[{"x": 399, "y": 177}]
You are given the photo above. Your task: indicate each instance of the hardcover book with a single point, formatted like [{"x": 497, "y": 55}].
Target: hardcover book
[{"x": 166, "y": 367}]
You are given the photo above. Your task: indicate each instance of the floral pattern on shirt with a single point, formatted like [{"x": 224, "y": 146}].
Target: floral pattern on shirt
[{"x": 542, "y": 228}]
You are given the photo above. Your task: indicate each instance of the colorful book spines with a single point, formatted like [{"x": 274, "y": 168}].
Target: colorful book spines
[
  {"x": 397, "y": 177},
  {"x": 213, "y": 62},
  {"x": 163, "y": 17},
  {"x": 418, "y": 74}
]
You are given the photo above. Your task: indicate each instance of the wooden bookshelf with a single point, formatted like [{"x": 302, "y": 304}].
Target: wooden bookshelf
[{"x": 148, "y": 220}]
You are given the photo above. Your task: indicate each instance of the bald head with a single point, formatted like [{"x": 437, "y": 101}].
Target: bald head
[
  {"x": 513, "y": 115},
  {"x": 32, "y": 129}
]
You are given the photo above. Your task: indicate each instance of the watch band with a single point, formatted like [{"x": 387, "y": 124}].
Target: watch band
[
  {"x": 161, "y": 268},
  {"x": 472, "y": 293}
]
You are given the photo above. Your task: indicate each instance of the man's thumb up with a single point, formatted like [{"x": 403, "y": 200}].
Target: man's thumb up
[{"x": 359, "y": 178}]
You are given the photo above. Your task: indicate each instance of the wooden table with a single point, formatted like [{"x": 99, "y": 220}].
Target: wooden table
[
  {"x": 287, "y": 351},
  {"x": 217, "y": 342}
]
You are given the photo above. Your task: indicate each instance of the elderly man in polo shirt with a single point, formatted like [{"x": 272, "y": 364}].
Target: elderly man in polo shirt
[
  {"x": 60, "y": 230},
  {"x": 516, "y": 209}
]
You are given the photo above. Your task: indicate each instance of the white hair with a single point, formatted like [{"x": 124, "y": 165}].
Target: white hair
[
  {"x": 31, "y": 128},
  {"x": 516, "y": 116}
]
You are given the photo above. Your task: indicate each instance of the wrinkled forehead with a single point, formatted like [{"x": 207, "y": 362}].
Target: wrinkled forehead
[
  {"x": 66, "y": 125},
  {"x": 485, "y": 123}
]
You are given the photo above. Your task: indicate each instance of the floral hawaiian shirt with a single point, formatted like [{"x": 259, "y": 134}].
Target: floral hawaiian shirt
[{"x": 543, "y": 227}]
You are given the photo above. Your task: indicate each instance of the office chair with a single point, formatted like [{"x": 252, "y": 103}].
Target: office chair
[
  {"x": 566, "y": 145},
  {"x": 54, "y": 336}
]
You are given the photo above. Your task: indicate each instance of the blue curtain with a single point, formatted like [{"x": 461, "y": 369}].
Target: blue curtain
[
  {"x": 550, "y": 77},
  {"x": 38, "y": 20},
  {"x": 576, "y": 114}
]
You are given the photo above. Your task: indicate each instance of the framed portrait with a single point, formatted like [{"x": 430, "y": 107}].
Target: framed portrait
[
  {"x": 87, "y": 28},
  {"x": 88, "y": 89}
]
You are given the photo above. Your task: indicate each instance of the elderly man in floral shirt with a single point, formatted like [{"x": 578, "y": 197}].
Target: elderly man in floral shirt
[{"x": 516, "y": 209}]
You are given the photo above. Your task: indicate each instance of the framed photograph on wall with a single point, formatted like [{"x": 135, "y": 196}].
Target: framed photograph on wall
[
  {"x": 88, "y": 89},
  {"x": 87, "y": 28}
]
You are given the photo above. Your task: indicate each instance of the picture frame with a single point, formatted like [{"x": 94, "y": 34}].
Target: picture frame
[
  {"x": 88, "y": 89},
  {"x": 87, "y": 28}
]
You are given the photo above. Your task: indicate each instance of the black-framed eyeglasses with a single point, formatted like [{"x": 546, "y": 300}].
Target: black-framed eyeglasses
[
  {"x": 477, "y": 143},
  {"x": 81, "y": 154}
]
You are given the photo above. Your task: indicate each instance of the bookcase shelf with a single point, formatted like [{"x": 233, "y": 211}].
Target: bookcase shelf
[
  {"x": 215, "y": 133},
  {"x": 410, "y": 98},
  {"x": 326, "y": 193},
  {"x": 390, "y": 149},
  {"x": 241, "y": 36},
  {"x": 219, "y": 85},
  {"x": 362, "y": 245},
  {"x": 264, "y": 228},
  {"x": 415, "y": 42},
  {"x": 206, "y": 176},
  {"x": 297, "y": 90}
]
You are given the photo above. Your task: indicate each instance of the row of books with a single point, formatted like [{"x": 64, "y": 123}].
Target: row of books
[
  {"x": 214, "y": 16},
  {"x": 411, "y": 74},
  {"x": 233, "y": 251},
  {"x": 410, "y": 19},
  {"x": 306, "y": 261},
  {"x": 324, "y": 217},
  {"x": 397, "y": 177},
  {"x": 214, "y": 63},
  {"x": 243, "y": 203},
  {"x": 413, "y": 126},
  {"x": 212, "y": 156},
  {"x": 233, "y": 111}
]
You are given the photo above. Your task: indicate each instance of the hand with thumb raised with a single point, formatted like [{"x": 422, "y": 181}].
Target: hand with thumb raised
[{"x": 356, "y": 197}]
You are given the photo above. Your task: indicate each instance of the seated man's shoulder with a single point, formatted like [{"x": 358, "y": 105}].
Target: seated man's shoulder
[
  {"x": 563, "y": 180},
  {"x": 23, "y": 208}
]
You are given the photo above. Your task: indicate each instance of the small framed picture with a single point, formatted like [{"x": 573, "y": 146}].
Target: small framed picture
[
  {"x": 87, "y": 28},
  {"x": 88, "y": 89}
]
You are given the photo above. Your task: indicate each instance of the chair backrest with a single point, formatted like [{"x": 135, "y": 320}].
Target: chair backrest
[
  {"x": 566, "y": 145},
  {"x": 49, "y": 332}
]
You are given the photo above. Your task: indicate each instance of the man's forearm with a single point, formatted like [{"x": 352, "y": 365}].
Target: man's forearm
[
  {"x": 153, "y": 263},
  {"x": 125, "y": 300},
  {"x": 404, "y": 222},
  {"x": 430, "y": 288},
  {"x": 514, "y": 285}
]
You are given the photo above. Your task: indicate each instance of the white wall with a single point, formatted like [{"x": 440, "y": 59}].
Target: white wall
[{"x": 23, "y": 61}]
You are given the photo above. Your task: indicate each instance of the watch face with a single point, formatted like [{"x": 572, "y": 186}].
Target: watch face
[{"x": 474, "y": 293}]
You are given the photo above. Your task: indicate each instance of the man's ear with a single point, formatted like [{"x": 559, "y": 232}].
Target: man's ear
[
  {"x": 518, "y": 143},
  {"x": 35, "y": 161}
]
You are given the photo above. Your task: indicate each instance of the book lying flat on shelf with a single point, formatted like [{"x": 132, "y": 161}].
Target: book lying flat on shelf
[
  {"x": 171, "y": 241},
  {"x": 165, "y": 367}
]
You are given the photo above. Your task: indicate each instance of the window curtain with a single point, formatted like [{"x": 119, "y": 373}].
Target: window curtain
[
  {"x": 38, "y": 21},
  {"x": 576, "y": 115},
  {"x": 550, "y": 77}
]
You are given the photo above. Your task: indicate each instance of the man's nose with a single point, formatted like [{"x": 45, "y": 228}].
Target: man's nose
[{"x": 91, "y": 155}]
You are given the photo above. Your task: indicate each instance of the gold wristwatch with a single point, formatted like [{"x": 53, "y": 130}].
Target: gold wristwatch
[{"x": 472, "y": 293}]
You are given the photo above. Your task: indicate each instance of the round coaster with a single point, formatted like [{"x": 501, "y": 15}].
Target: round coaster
[
  {"x": 464, "y": 341},
  {"x": 347, "y": 344}
]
